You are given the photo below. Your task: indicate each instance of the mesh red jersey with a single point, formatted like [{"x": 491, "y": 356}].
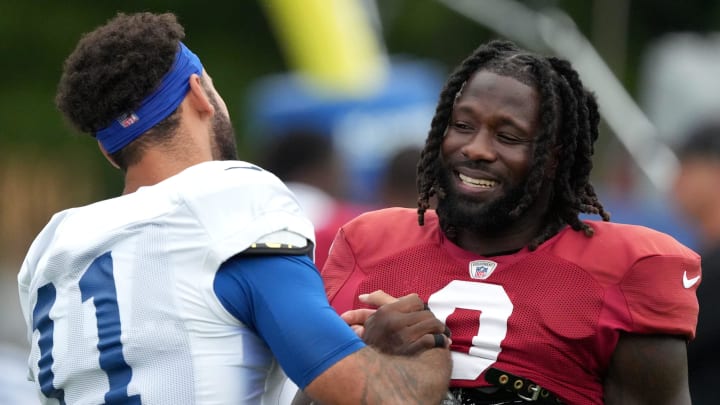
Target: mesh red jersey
[{"x": 553, "y": 315}]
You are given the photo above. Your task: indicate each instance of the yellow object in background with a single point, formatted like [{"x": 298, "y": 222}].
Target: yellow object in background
[{"x": 331, "y": 43}]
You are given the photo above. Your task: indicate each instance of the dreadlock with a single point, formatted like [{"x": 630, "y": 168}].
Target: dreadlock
[{"x": 569, "y": 121}]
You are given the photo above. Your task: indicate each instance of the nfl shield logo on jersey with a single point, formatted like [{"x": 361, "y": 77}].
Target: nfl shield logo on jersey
[{"x": 482, "y": 269}]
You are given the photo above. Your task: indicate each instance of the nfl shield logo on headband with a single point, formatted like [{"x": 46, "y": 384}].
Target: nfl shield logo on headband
[
  {"x": 482, "y": 269},
  {"x": 126, "y": 120}
]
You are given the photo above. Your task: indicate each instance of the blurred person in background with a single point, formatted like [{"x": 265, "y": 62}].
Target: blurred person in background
[
  {"x": 194, "y": 285},
  {"x": 542, "y": 305},
  {"x": 397, "y": 182},
  {"x": 308, "y": 163},
  {"x": 697, "y": 194}
]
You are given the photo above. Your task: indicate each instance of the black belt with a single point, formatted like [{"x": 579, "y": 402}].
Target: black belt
[
  {"x": 507, "y": 389},
  {"x": 524, "y": 388},
  {"x": 481, "y": 396}
]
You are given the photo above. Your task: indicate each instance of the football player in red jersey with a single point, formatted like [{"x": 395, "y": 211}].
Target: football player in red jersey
[{"x": 542, "y": 306}]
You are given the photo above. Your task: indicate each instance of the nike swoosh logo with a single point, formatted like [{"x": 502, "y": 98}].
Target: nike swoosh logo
[{"x": 689, "y": 282}]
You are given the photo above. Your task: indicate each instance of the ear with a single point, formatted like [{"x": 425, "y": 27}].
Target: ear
[
  {"x": 107, "y": 156},
  {"x": 198, "y": 98}
]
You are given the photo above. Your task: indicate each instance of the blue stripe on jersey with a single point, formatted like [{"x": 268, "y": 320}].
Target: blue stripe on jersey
[{"x": 282, "y": 298}]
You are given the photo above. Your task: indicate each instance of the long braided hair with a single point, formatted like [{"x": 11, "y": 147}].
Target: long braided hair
[{"x": 569, "y": 121}]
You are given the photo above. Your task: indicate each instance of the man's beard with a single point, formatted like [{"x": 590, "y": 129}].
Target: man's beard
[
  {"x": 460, "y": 212},
  {"x": 224, "y": 146}
]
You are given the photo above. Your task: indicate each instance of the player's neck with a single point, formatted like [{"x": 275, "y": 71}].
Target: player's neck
[
  {"x": 492, "y": 244},
  {"x": 158, "y": 165}
]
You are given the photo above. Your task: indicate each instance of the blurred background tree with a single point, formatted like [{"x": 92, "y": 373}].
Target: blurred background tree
[{"x": 45, "y": 167}]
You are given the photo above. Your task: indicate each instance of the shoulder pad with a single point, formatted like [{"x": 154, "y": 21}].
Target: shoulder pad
[{"x": 269, "y": 248}]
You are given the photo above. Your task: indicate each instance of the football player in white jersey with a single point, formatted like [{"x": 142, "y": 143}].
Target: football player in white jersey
[{"x": 196, "y": 286}]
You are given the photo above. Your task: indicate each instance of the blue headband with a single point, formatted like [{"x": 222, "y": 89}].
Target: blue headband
[{"x": 156, "y": 107}]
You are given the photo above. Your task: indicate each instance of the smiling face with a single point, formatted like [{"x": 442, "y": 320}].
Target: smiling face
[{"x": 487, "y": 151}]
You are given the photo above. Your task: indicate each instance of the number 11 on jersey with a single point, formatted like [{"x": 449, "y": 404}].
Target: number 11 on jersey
[{"x": 97, "y": 283}]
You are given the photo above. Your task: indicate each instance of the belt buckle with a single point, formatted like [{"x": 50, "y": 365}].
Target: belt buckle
[{"x": 535, "y": 393}]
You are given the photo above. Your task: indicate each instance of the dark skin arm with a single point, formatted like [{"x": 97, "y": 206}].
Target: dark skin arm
[
  {"x": 394, "y": 328},
  {"x": 648, "y": 369}
]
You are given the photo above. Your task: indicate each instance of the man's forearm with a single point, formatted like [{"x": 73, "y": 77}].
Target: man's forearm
[
  {"x": 420, "y": 379},
  {"x": 369, "y": 377},
  {"x": 424, "y": 377}
]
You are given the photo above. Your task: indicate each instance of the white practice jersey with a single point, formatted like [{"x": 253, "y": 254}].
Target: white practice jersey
[{"x": 118, "y": 295}]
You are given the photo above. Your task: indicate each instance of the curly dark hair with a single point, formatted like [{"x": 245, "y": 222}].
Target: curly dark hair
[
  {"x": 113, "y": 69},
  {"x": 569, "y": 120}
]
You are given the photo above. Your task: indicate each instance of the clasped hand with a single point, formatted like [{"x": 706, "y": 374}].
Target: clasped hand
[{"x": 400, "y": 326}]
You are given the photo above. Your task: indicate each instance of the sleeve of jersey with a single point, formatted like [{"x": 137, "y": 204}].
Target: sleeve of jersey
[
  {"x": 340, "y": 288},
  {"x": 24, "y": 295},
  {"x": 29, "y": 266},
  {"x": 240, "y": 206},
  {"x": 282, "y": 299},
  {"x": 660, "y": 295}
]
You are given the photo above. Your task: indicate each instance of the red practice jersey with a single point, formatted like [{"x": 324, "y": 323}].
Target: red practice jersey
[{"x": 553, "y": 316}]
